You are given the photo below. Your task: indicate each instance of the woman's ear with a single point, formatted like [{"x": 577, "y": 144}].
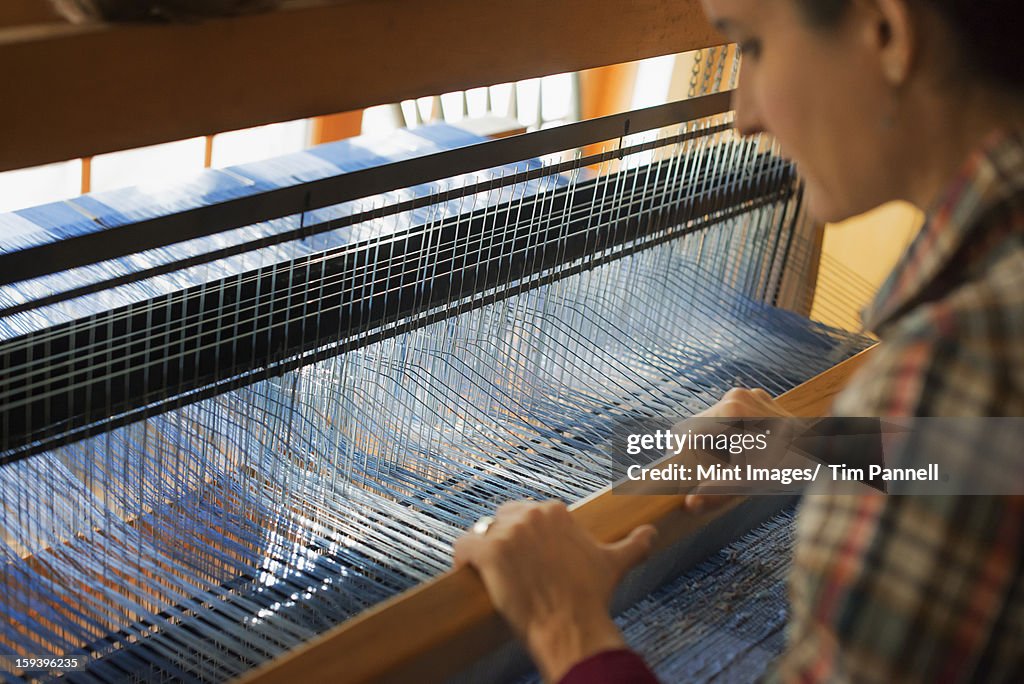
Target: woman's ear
[{"x": 892, "y": 36}]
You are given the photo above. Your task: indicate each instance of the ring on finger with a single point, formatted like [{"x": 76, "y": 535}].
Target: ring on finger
[{"x": 483, "y": 524}]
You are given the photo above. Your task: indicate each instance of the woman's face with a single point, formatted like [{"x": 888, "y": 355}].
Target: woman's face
[{"x": 821, "y": 94}]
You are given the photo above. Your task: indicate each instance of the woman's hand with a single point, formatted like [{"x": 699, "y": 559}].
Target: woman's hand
[
  {"x": 736, "y": 403},
  {"x": 552, "y": 581}
]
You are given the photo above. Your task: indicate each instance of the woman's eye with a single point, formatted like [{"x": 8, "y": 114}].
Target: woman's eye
[{"x": 750, "y": 48}]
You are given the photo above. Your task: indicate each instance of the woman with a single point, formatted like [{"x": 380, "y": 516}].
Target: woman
[{"x": 875, "y": 100}]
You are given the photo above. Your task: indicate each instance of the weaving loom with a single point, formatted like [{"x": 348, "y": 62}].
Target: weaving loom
[{"x": 240, "y": 412}]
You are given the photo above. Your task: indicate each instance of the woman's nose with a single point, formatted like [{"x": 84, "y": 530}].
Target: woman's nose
[{"x": 744, "y": 103}]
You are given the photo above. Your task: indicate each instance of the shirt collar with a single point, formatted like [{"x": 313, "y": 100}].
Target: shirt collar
[{"x": 954, "y": 234}]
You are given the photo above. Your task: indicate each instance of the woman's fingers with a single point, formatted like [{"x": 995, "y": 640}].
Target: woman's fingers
[
  {"x": 532, "y": 516},
  {"x": 544, "y": 530},
  {"x": 632, "y": 550},
  {"x": 699, "y": 503},
  {"x": 465, "y": 549}
]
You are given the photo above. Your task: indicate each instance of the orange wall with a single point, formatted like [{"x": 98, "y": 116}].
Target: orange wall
[{"x": 857, "y": 256}]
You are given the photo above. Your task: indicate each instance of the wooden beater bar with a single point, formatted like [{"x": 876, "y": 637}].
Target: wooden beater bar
[{"x": 432, "y": 631}]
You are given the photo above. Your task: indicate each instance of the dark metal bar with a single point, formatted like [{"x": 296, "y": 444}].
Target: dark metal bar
[
  {"x": 161, "y": 231},
  {"x": 354, "y": 219}
]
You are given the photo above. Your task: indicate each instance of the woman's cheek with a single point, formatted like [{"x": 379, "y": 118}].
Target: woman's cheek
[
  {"x": 782, "y": 119},
  {"x": 820, "y": 203}
]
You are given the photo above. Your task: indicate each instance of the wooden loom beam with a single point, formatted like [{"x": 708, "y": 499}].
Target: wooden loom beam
[
  {"x": 445, "y": 624},
  {"x": 77, "y": 90},
  {"x": 26, "y": 12}
]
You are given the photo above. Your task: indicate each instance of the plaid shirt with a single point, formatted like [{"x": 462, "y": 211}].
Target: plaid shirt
[{"x": 928, "y": 588}]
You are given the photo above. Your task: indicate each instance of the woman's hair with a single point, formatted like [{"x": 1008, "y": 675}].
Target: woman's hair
[{"x": 989, "y": 41}]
